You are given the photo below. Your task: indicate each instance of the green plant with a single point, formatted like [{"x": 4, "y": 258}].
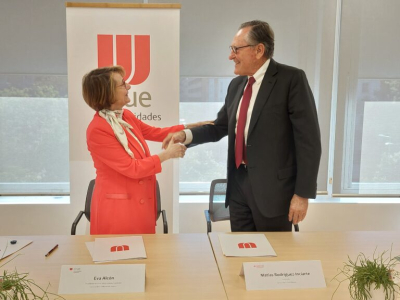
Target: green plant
[
  {"x": 14, "y": 285},
  {"x": 366, "y": 274}
]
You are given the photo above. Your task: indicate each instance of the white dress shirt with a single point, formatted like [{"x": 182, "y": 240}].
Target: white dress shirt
[{"x": 258, "y": 76}]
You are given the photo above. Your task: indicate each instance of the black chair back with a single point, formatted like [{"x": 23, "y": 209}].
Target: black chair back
[
  {"x": 88, "y": 204},
  {"x": 216, "y": 208},
  {"x": 218, "y": 211}
]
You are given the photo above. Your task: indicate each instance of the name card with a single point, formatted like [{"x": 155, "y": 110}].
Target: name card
[
  {"x": 102, "y": 279},
  {"x": 245, "y": 245},
  {"x": 118, "y": 248},
  {"x": 283, "y": 275}
]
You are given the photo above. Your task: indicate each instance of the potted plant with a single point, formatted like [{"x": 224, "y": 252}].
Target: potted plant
[
  {"x": 14, "y": 285},
  {"x": 370, "y": 279}
]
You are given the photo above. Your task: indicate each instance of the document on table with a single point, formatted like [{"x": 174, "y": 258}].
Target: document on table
[
  {"x": 104, "y": 279},
  {"x": 6, "y": 248},
  {"x": 118, "y": 248},
  {"x": 245, "y": 245},
  {"x": 283, "y": 275}
]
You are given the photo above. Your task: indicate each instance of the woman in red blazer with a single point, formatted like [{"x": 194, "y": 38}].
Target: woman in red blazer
[{"x": 124, "y": 198}]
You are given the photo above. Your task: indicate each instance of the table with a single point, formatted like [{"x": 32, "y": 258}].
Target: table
[
  {"x": 332, "y": 248},
  {"x": 178, "y": 266}
]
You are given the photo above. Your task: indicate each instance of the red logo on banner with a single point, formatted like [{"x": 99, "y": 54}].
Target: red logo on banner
[
  {"x": 247, "y": 245},
  {"x": 123, "y": 48},
  {"x": 119, "y": 248}
]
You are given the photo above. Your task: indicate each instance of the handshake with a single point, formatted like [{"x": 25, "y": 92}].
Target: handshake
[{"x": 173, "y": 143}]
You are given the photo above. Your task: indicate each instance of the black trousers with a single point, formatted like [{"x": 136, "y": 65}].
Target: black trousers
[{"x": 245, "y": 215}]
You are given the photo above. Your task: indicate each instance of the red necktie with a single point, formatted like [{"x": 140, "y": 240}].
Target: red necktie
[{"x": 241, "y": 123}]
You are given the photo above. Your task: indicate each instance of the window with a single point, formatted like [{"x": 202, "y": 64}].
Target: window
[
  {"x": 305, "y": 36},
  {"x": 358, "y": 99},
  {"x": 358, "y": 102},
  {"x": 201, "y": 99},
  {"x": 367, "y": 149},
  {"x": 34, "y": 134}
]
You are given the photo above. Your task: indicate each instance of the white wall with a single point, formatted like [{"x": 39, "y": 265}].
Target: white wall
[
  {"x": 57, "y": 219},
  {"x": 320, "y": 217}
]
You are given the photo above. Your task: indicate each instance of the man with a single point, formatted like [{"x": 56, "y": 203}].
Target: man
[{"x": 274, "y": 144}]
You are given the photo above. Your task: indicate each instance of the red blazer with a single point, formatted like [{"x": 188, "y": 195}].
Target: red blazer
[{"x": 124, "y": 197}]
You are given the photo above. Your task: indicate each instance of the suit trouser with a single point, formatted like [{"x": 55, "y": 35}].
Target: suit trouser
[{"x": 244, "y": 213}]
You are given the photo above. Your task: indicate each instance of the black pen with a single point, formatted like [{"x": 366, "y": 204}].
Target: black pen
[{"x": 52, "y": 249}]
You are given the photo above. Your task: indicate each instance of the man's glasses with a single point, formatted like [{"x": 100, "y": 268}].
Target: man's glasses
[{"x": 235, "y": 49}]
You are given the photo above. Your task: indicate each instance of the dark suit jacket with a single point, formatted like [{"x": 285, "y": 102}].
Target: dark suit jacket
[{"x": 283, "y": 142}]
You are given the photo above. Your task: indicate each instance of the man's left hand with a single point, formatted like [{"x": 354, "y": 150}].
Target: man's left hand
[{"x": 298, "y": 209}]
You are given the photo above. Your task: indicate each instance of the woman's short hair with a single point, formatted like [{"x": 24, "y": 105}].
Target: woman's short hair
[{"x": 98, "y": 87}]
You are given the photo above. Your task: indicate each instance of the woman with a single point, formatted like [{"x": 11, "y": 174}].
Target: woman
[{"x": 124, "y": 198}]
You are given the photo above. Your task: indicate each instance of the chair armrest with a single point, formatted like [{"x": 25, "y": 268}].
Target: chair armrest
[
  {"x": 75, "y": 223},
  {"x": 207, "y": 215},
  {"x": 165, "y": 222}
]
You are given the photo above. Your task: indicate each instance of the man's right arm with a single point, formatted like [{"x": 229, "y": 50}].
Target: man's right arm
[
  {"x": 188, "y": 136},
  {"x": 203, "y": 134},
  {"x": 210, "y": 133},
  {"x": 198, "y": 135}
]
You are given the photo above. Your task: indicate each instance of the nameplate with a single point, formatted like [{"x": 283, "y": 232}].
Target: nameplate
[
  {"x": 102, "y": 279},
  {"x": 283, "y": 275}
]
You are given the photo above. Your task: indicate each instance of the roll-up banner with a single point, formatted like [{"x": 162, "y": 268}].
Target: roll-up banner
[{"x": 144, "y": 39}]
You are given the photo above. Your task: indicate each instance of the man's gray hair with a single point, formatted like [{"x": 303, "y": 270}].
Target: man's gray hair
[{"x": 260, "y": 32}]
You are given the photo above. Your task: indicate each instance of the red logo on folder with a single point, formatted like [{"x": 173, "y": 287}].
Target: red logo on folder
[
  {"x": 247, "y": 245},
  {"x": 119, "y": 248},
  {"x": 123, "y": 49}
]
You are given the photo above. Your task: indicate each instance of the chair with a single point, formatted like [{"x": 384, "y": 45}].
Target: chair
[
  {"x": 88, "y": 203},
  {"x": 217, "y": 210}
]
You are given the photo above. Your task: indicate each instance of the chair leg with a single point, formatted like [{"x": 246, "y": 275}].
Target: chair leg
[
  {"x": 165, "y": 222},
  {"x": 75, "y": 223},
  {"x": 207, "y": 215}
]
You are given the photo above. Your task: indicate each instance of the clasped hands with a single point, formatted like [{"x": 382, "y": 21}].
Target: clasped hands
[
  {"x": 173, "y": 146},
  {"x": 174, "y": 141},
  {"x": 175, "y": 137}
]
